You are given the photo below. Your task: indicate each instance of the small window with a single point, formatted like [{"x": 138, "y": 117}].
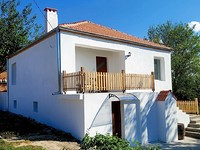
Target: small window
[
  {"x": 15, "y": 104},
  {"x": 157, "y": 69},
  {"x": 13, "y": 74},
  {"x": 35, "y": 106}
]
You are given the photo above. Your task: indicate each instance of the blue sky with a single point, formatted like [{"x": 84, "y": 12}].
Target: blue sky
[{"x": 130, "y": 16}]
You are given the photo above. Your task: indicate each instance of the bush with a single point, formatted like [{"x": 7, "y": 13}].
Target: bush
[{"x": 109, "y": 142}]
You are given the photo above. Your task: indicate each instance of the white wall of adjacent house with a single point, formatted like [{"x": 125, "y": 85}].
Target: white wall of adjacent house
[
  {"x": 36, "y": 81},
  {"x": 80, "y": 50}
]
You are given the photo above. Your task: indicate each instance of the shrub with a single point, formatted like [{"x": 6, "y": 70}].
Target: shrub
[{"x": 109, "y": 142}]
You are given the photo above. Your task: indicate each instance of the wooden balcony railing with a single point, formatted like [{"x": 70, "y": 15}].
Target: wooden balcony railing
[{"x": 103, "y": 81}]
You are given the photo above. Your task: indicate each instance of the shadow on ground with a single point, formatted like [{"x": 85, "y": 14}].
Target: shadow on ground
[
  {"x": 186, "y": 144},
  {"x": 17, "y": 127}
]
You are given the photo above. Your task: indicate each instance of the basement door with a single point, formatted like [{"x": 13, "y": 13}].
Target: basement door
[{"x": 116, "y": 118}]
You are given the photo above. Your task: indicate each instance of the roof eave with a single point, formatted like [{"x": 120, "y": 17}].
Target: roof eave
[{"x": 112, "y": 38}]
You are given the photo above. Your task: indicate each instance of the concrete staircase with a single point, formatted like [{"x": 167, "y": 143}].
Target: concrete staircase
[{"x": 193, "y": 129}]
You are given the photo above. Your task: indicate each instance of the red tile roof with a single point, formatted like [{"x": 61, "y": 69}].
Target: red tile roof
[
  {"x": 163, "y": 95},
  {"x": 90, "y": 27}
]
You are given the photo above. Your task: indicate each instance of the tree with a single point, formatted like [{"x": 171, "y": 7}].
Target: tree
[
  {"x": 17, "y": 29},
  {"x": 185, "y": 56}
]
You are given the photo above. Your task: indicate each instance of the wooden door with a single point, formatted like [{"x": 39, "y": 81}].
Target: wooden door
[
  {"x": 116, "y": 118},
  {"x": 101, "y": 64}
]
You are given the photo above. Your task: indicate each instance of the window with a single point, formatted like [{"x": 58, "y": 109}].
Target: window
[
  {"x": 15, "y": 104},
  {"x": 13, "y": 74},
  {"x": 35, "y": 106},
  {"x": 157, "y": 69}
]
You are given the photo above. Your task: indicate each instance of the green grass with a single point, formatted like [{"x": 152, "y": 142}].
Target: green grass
[{"x": 9, "y": 146}]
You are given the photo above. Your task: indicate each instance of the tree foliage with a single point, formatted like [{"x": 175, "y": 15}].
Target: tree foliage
[
  {"x": 17, "y": 28},
  {"x": 185, "y": 56}
]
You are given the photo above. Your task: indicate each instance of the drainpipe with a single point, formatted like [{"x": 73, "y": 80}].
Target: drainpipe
[
  {"x": 8, "y": 84},
  {"x": 58, "y": 61}
]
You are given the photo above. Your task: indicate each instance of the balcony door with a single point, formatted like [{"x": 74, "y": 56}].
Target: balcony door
[{"x": 101, "y": 64}]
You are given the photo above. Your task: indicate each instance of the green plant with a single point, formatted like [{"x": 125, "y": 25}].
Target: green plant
[{"x": 109, "y": 142}]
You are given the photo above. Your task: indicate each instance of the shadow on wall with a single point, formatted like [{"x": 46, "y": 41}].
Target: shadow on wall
[
  {"x": 171, "y": 120},
  {"x": 131, "y": 121},
  {"x": 148, "y": 109}
]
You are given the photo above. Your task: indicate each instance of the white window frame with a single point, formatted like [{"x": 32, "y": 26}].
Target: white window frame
[
  {"x": 15, "y": 104},
  {"x": 13, "y": 73},
  {"x": 35, "y": 106},
  {"x": 160, "y": 74}
]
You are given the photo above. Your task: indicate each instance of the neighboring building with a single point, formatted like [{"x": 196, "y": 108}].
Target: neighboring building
[
  {"x": 3, "y": 91},
  {"x": 3, "y": 81},
  {"x": 82, "y": 76}
]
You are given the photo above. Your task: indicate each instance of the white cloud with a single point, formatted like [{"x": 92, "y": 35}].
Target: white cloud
[{"x": 197, "y": 26}]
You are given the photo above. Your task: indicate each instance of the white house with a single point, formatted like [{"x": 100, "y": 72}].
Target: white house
[{"x": 84, "y": 77}]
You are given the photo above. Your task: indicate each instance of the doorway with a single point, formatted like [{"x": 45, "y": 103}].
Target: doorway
[
  {"x": 116, "y": 118},
  {"x": 101, "y": 64}
]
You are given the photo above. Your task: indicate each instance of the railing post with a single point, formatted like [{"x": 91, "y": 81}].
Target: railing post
[
  {"x": 123, "y": 81},
  {"x": 82, "y": 79},
  {"x": 153, "y": 82},
  {"x": 64, "y": 85},
  {"x": 197, "y": 106}
]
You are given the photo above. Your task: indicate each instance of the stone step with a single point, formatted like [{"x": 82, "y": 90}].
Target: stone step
[
  {"x": 194, "y": 125},
  {"x": 194, "y": 116},
  {"x": 192, "y": 134},
  {"x": 195, "y": 120},
  {"x": 192, "y": 129}
]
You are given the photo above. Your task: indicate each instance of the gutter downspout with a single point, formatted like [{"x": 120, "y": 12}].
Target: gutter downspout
[{"x": 58, "y": 61}]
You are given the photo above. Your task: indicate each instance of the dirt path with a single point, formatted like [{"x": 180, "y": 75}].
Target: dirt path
[{"x": 46, "y": 144}]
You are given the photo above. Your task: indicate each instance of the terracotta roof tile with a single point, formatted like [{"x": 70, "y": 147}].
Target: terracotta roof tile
[
  {"x": 90, "y": 27},
  {"x": 163, "y": 95}
]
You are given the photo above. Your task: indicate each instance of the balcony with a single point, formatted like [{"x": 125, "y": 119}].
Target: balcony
[{"x": 91, "y": 82}]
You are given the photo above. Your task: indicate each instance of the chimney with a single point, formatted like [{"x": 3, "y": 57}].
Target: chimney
[{"x": 51, "y": 20}]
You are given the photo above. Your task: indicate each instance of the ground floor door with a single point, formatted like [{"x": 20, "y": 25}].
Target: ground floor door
[{"x": 116, "y": 118}]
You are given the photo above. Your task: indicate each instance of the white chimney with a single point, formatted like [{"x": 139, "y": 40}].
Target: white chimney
[{"x": 51, "y": 20}]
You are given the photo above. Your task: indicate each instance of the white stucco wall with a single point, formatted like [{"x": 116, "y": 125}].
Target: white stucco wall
[
  {"x": 86, "y": 57},
  {"x": 3, "y": 101},
  {"x": 167, "y": 120},
  {"x": 131, "y": 121},
  {"x": 79, "y": 50},
  {"x": 139, "y": 118},
  {"x": 37, "y": 80}
]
